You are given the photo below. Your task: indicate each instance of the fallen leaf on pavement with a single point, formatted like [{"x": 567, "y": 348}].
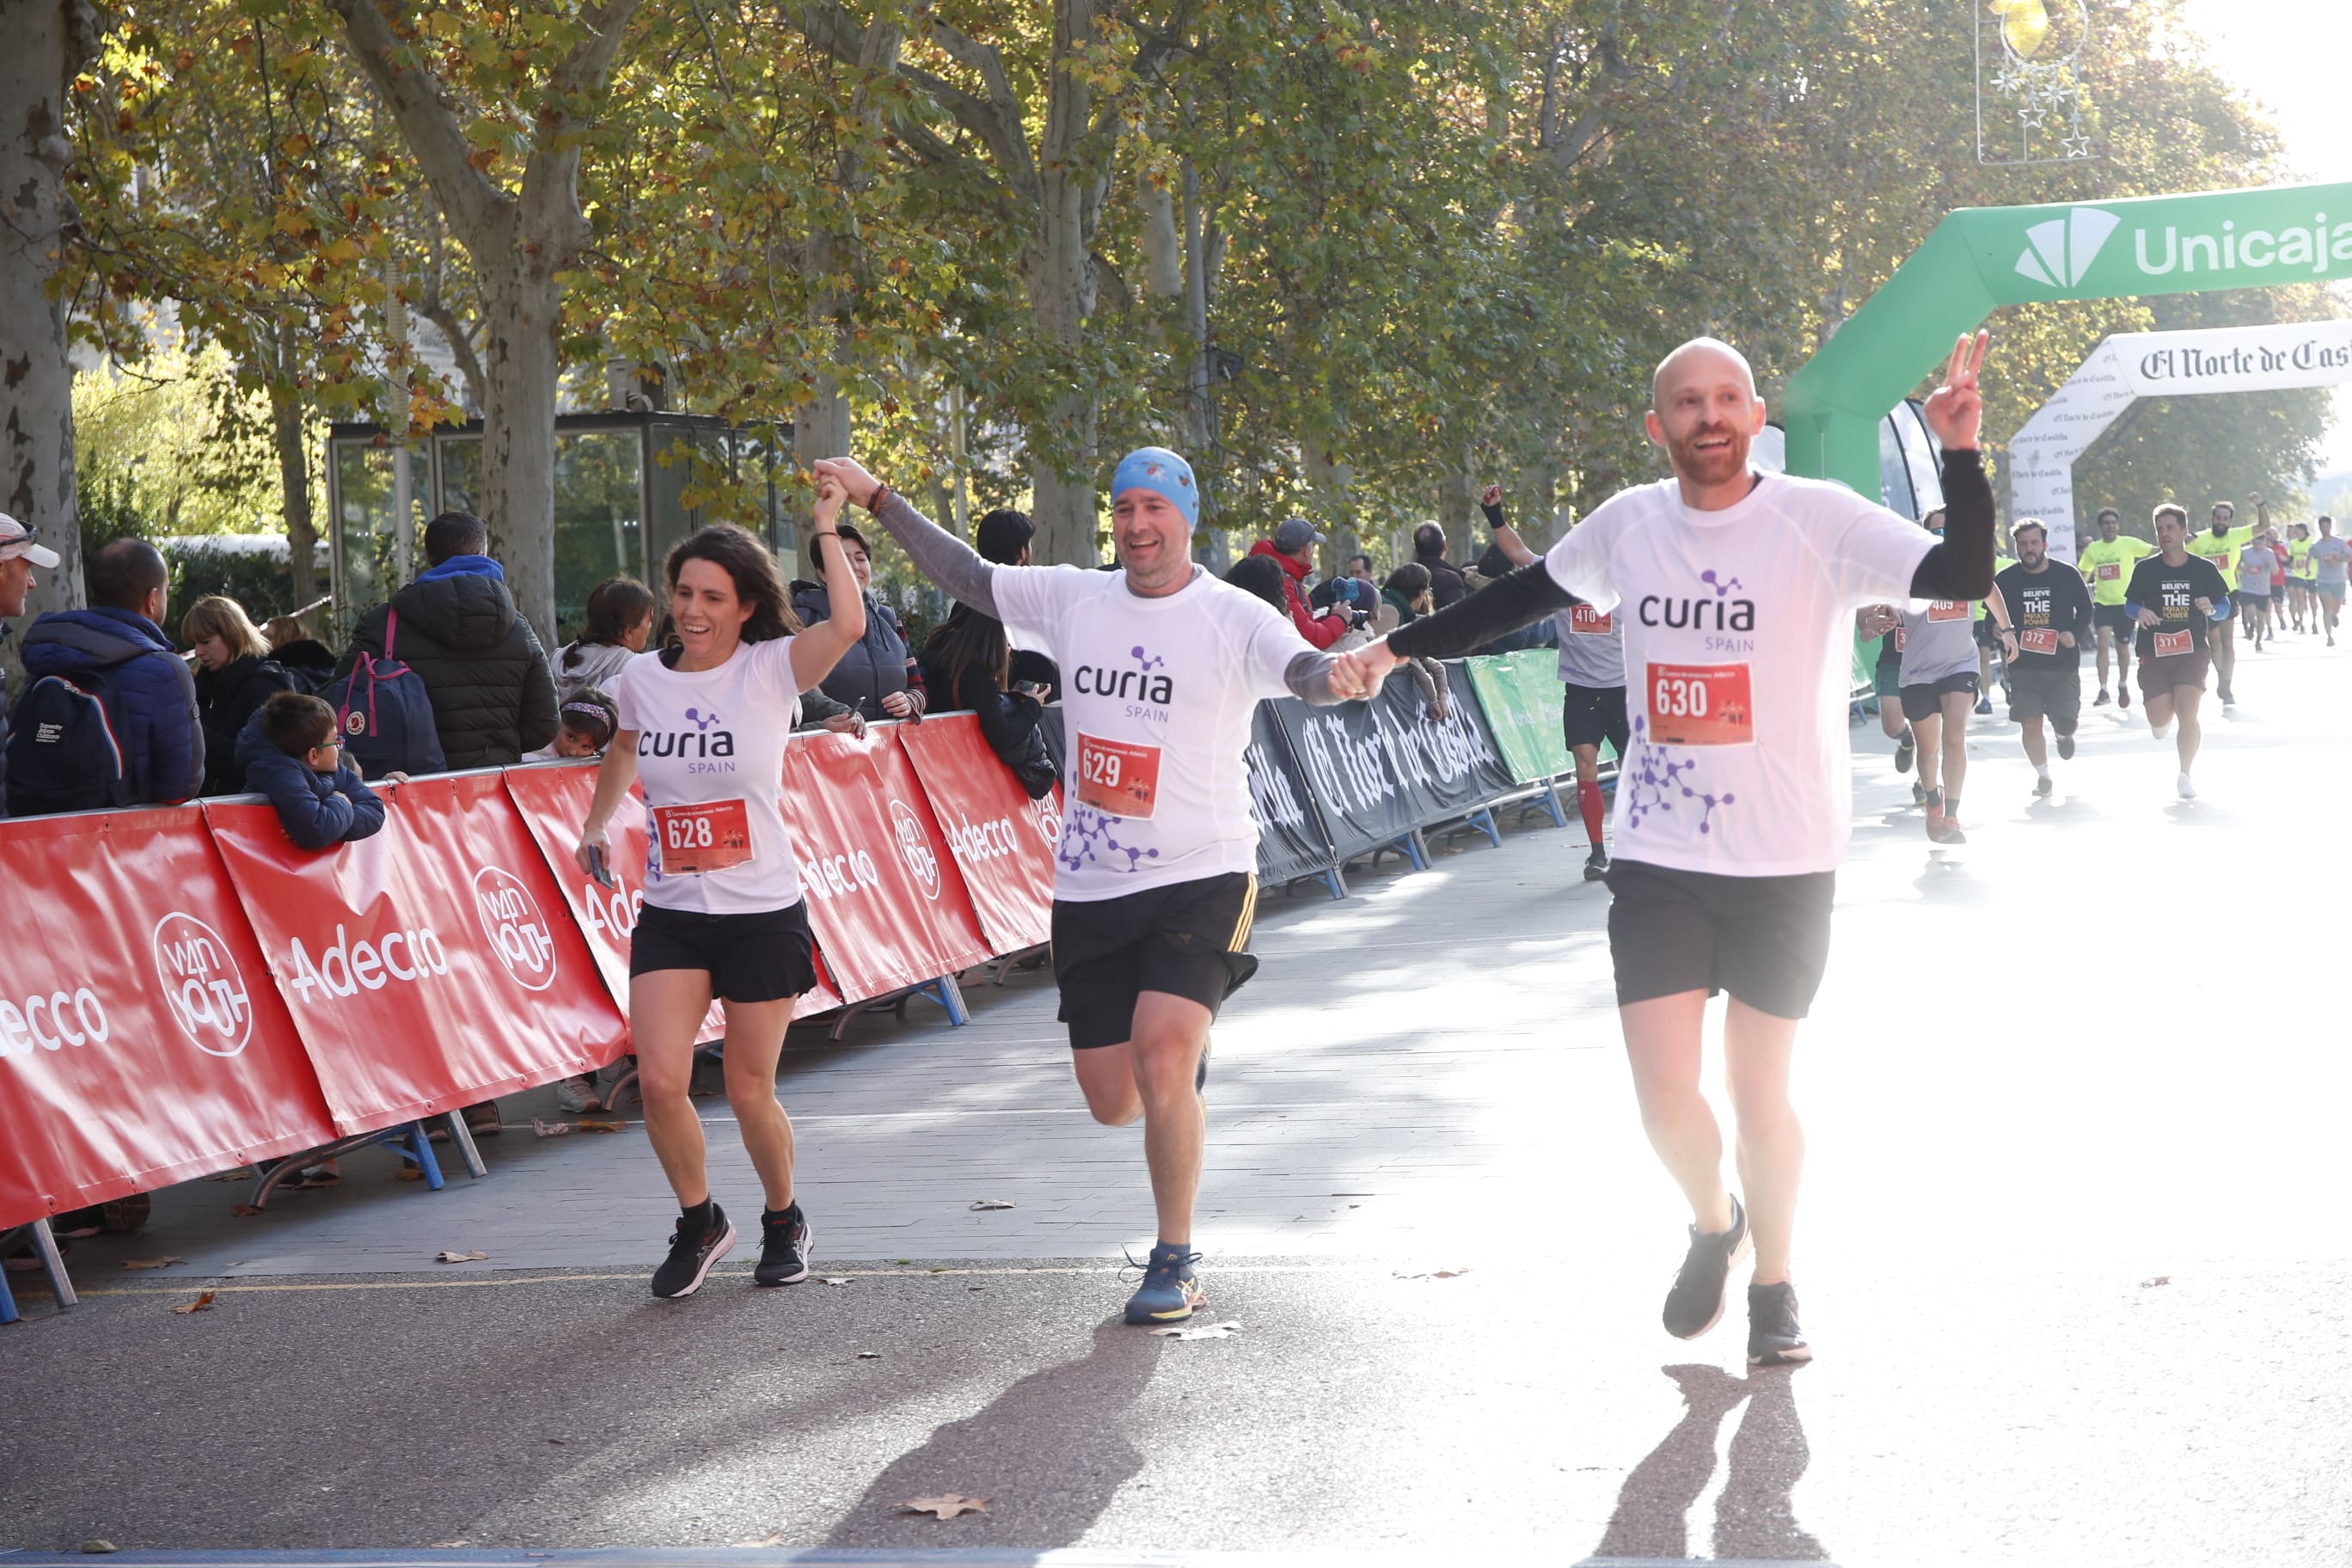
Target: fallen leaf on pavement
[
  {"x": 150, "y": 1262},
  {"x": 601, "y": 1126},
  {"x": 244, "y": 1211},
  {"x": 869, "y": 1355},
  {"x": 99, "y": 1548},
  {"x": 841, "y": 1282},
  {"x": 242, "y": 1173},
  {"x": 946, "y": 1507},
  {"x": 764, "y": 1541},
  {"x": 408, "y": 1173},
  {"x": 552, "y": 1129},
  {"x": 1223, "y": 1330},
  {"x": 2160, "y": 1279},
  {"x": 201, "y": 1304},
  {"x": 989, "y": 1203},
  {"x": 1437, "y": 1274},
  {"x": 460, "y": 1257}
]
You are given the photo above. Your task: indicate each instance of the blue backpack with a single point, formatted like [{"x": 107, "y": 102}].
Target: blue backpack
[
  {"x": 385, "y": 716},
  {"x": 64, "y": 747}
]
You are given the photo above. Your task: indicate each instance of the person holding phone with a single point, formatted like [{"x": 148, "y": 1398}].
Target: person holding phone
[
  {"x": 703, "y": 727},
  {"x": 969, "y": 657}
]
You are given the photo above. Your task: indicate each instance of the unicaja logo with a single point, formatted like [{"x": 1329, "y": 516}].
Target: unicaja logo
[{"x": 2060, "y": 252}]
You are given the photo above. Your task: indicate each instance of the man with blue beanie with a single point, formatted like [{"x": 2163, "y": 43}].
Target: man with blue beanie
[{"x": 1154, "y": 886}]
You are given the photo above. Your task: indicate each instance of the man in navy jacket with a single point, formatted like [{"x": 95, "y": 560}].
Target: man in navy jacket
[{"x": 130, "y": 588}]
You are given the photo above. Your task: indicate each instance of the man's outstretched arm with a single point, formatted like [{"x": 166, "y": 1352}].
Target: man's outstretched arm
[{"x": 937, "y": 554}]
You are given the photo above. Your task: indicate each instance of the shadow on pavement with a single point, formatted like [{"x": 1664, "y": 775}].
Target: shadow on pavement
[
  {"x": 1051, "y": 1451},
  {"x": 1753, "y": 1516}
]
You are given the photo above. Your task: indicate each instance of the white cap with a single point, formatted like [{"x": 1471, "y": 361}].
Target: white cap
[{"x": 17, "y": 540}]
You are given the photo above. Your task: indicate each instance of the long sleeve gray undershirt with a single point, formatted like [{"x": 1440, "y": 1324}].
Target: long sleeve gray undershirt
[{"x": 964, "y": 577}]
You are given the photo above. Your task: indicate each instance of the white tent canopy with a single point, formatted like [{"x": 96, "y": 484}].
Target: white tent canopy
[{"x": 2133, "y": 365}]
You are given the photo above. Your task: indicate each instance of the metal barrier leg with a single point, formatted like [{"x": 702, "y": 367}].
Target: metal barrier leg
[
  {"x": 947, "y": 994},
  {"x": 1416, "y": 851},
  {"x": 9, "y": 1313},
  {"x": 53, "y": 1263},
  {"x": 414, "y": 1144},
  {"x": 1484, "y": 821},
  {"x": 1331, "y": 881},
  {"x": 1551, "y": 803},
  {"x": 463, "y": 1137}
]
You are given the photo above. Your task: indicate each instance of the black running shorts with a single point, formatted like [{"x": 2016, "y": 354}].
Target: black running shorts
[
  {"x": 2052, "y": 691},
  {"x": 1765, "y": 939},
  {"x": 1591, "y": 714},
  {"x": 762, "y": 957},
  {"x": 1187, "y": 938},
  {"x": 2116, "y": 618},
  {"x": 2159, "y": 677},
  {"x": 1926, "y": 700}
]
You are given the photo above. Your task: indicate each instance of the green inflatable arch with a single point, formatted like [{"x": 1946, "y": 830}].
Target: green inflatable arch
[{"x": 1979, "y": 259}]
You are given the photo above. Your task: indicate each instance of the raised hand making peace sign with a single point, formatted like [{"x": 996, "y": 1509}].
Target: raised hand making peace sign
[{"x": 1955, "y": 410}]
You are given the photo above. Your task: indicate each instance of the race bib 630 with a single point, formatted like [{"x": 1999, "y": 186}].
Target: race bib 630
[{"x": 1700, "y": 705}]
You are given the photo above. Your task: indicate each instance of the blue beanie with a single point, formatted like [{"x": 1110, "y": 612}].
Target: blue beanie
[{"x": 1165, "y": 474}]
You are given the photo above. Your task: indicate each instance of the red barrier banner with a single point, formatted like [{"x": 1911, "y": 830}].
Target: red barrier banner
[
  {"x": 888, "y": 907},
  {"x": 552, "y": 799},
  {"x": 1001, "y": 840},
  {"x": 430, "y": 966},
  {"x": 141, "y": 1042}
]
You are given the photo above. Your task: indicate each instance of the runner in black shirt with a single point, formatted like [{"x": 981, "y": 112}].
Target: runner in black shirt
[
  {"x": 2051, "y": 612},
  {"x": 2173, "y": 595}
]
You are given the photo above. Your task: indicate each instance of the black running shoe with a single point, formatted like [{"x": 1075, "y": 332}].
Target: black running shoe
[
  {"x": 2102, "y": 699},
  {"x": 2066, "y": 748},
  {"x": 784, "y": 1248},
  {"x": 1773, "y": 1337},
  {"x": 1596, "y": 865},
  {"x": 1904, "y": 749},
  {"x": 1696, "y": 1303},
  {"x": 691, "y": 1256}
]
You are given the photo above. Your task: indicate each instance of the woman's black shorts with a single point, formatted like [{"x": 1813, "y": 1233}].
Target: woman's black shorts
[
  {"x": 1765, "y": 939},
  {"x": 762, "y": 957}
]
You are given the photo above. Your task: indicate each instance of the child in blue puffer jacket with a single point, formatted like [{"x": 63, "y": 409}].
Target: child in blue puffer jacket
[{"x": 290, "y": 753}]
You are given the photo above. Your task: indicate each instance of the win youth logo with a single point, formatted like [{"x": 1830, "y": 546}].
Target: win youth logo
[
  {"x": 2059, "y": 253},
  {"x": 202, "y": 984},
  {"x": 519, "y": 933},
  {"x": 915, "y": 848}
]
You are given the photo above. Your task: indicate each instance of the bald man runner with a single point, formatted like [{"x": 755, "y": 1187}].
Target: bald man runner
[
  {"x": 1155, "y": 878},
  {"x": 1737, "y": 590}
]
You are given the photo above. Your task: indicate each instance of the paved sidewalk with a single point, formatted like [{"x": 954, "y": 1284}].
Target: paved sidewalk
[{"x": 2072, "y": 1253}]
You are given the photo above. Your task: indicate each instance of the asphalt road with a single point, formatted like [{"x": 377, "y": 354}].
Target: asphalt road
[{"x": 2072, "y": 1255}]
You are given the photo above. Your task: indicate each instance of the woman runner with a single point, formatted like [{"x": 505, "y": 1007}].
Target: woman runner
[{"x": 703, "y": 728}]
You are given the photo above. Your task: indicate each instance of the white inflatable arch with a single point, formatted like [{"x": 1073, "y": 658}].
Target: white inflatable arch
[{"x": 2133, "y": 365}]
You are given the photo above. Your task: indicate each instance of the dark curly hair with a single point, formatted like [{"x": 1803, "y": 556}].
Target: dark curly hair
[{"x": 758, "y": 582}]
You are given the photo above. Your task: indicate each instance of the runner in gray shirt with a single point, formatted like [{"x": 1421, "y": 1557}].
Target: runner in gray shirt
[
  {"x": 1939, "y": 689},
  {"x": 2330, "y": 558}
]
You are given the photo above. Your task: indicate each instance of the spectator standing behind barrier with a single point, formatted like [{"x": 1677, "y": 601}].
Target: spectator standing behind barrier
[
  {"x": 289, "y": 750},
  {"x": 117, "y": 649},
  {"x": 704, "y": 730},
  {"x": 1447, "y": 583},
  {"x": 620, "y": 617},
  {"x": 588, "y": 719},
  {"x": 235, "y": 676},
  {"x": 1409, "y": 592},
  {"x": 1002, "y": 537},
  {"x": 872, "y": 677},
  {"x": 310, "y": 662},
  {"x": 20, "y": 553},
  {"x": 1292, "y": 549},
  {"x": 493, "y": 696},
  {"x": 969, "y": 660}
]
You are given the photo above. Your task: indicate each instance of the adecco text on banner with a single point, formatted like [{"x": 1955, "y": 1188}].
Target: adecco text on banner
[
  {"x": 349, "y": 967},
  {"x": 519, "y": 933},
  {"x": 202, "y": 985},
  {"x": 72, "y": 1018},
  {"x": 832, "y": 876}
]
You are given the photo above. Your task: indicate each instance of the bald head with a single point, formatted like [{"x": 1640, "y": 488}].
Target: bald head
[{"x": 1707, "y": 358}]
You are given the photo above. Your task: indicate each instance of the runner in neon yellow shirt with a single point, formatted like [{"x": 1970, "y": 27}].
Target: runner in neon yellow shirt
[
  {"x": 2107, "y": 564},
  {"x": 2220, "y": 544},
  {"x": 2298, "y": 570}
]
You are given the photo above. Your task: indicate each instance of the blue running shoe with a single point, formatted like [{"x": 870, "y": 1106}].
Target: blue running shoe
[{"x": 1169, "y": 1292}]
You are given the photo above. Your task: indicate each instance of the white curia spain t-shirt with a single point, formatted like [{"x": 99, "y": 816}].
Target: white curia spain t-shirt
[
  {"x": 710, "y": 759},
  {"x": 1738, "y": 646},
  {"x": 1157, "y": 698}
]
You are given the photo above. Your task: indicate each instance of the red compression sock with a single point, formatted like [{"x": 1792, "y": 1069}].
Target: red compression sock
[{"x": 1587, "y": 801}]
